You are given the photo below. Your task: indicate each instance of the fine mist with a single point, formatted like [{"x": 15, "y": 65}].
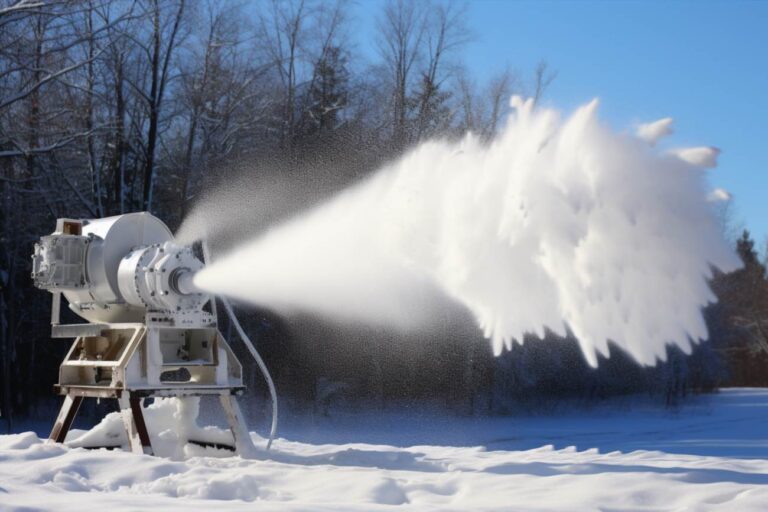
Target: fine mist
[{"x": 557, "y": 225}]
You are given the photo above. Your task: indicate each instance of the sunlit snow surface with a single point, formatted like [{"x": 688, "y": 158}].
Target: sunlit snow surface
[{"x": 711, "y": 454}]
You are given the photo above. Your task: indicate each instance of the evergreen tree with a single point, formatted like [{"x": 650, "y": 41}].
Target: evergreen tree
[
  {"x": 743, "y": 297},
  {"x": 745, "y": 247},
  {"x": 328, "y": 92}
]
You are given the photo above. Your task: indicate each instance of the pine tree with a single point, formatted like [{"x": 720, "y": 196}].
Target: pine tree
[
  {"x": 328, "y": 92},
  {"x": 745, "y": 247},
  {"x": 743, "y": 297}
]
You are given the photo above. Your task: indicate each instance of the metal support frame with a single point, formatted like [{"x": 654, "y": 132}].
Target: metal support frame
[{"x": 130, "y": 385}]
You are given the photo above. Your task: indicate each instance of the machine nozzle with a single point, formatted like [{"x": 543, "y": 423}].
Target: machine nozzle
[
  {"x": 160, "y": 277},
  {"x": 182, "y": 281}
]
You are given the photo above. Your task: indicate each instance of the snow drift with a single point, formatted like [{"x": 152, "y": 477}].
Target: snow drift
[
  {"x": 559, "y": 225},
  {"x": 709, "y": 456}
]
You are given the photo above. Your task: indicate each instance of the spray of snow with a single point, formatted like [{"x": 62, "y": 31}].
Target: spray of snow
[
  {"x": 704, "y": 157},
  {"x": 652, "y": 132},
  {"x": 719, "y": 195},
  {"x": 557, "y": 225}
]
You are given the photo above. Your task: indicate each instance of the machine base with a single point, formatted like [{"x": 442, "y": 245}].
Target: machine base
[{"x": 130, "y": 402}]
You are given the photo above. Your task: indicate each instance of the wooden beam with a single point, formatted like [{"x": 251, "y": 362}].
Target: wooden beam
[
  {"x": 141, "y": 426},
  {"x": 243, "y": 443},
  {"x": 65, "y": 418},
  {"x": 138, "y": 441}
]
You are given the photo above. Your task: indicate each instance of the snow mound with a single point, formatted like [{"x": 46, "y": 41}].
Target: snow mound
[{"x": 172, "y": 424}]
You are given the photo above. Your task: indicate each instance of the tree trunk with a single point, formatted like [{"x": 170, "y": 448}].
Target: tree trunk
[
  {"x": 149, "y": 164},
  {"x": 118, "y": 162},
  {"x": 94, "y": 171}
]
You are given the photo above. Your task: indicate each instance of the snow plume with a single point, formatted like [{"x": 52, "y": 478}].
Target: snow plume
[
  {"x": 704, "y": 157},
  {"x": 719, "y": 195},
  {"x": 558, "y": 225},
  {"x": 652, "y": 132}
]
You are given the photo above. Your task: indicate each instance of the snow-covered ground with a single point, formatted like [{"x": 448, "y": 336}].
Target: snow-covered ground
[{"x": 711, "y": 454}]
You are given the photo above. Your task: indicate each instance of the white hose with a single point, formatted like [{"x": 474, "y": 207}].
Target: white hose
[
  {"x": 254, "y": 353},
  {"x": 262, "y": 367}
]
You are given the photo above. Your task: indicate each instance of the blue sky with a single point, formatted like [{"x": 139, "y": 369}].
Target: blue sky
[{"x": 703, "y": 63}]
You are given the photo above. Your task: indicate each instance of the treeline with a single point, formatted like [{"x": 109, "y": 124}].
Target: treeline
[{"x": 109, "y": 107}]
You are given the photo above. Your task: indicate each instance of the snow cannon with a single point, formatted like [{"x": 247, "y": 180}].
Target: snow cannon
[{"x": 149, "y": 333}]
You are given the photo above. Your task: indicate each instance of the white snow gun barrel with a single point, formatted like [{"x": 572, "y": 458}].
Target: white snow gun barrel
[{"x": 149, "y": 331}]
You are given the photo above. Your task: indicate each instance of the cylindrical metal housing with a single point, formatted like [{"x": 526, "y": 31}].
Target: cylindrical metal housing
[
  {"x": 159, "y": 278},
  {"x": 111, "y": 239}
]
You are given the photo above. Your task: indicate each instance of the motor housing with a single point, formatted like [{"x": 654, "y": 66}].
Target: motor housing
[
  {"x": 159, "y": 278},
  {"x": 119, "y": 269}
]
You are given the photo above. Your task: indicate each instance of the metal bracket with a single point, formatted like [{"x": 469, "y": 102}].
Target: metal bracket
[{"x": 75, "y": 330}]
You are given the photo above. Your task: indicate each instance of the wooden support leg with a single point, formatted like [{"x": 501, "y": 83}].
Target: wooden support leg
[
  {"x": 141, "y": 425},
  {"x": 66, "y": 417},
  {"x": 135, "y": 427},
  {"x": 243, "y": 443}
]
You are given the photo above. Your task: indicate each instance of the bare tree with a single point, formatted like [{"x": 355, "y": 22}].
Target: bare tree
[
  {"x": 48, "y": 34},
  {"x": 499, "y": 93},
  {"x": 466, "y": 86},
  {"x": 282, "y": 30},
  {"x": 543, "y": 77},
  {"x": 401, "y": 31},
  {"x": 19, "y": 7},
  {"x": 445, "y": 32},
  {"x": 221, "y": 92},
  {"x": 160, "y": 58},
  {"x": 482, "y": 109},
  {"x": 197, "y": 93},
  {"x": 93, "y": 169}
]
